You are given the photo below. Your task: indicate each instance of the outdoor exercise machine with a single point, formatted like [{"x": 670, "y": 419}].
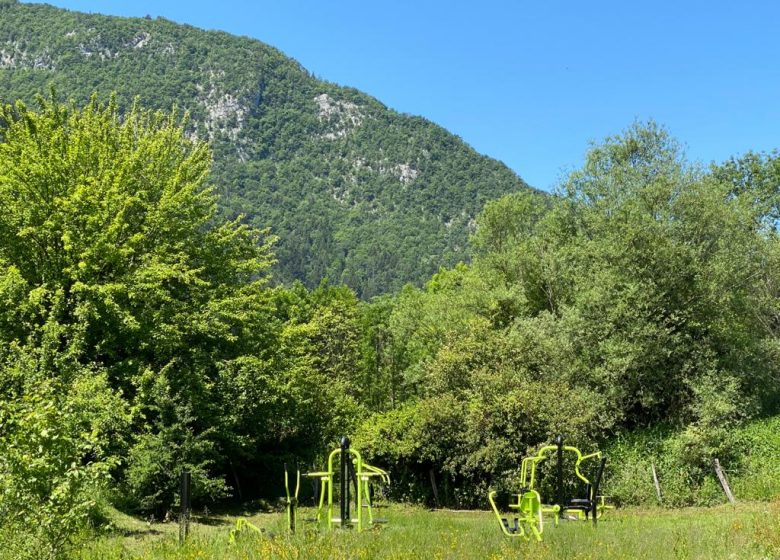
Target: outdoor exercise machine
[
  {"x": 590, "y": 504},
  {"x": 352, "y": 470},
  {"x": 528, "y": 505},
  {"x": 528, "y": 519},
  {"x": 349, "y": 469}
]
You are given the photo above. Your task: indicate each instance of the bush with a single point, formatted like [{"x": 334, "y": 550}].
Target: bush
[
  {"x": 55, "y": 440},
  {"x": 155, "y": 464}
]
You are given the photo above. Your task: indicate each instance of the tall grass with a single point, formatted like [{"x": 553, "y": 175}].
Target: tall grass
[
  {"x": 744, "y": 531},
  {"x": 750, "y": 457},
  {"x": 751, "y": 529}
]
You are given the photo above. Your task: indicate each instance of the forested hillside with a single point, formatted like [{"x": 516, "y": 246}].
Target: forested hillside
[{"x": 355, "y": 191}]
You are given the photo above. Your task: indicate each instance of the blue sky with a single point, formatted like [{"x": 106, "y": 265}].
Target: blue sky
[{"x": 530, "y": 83}]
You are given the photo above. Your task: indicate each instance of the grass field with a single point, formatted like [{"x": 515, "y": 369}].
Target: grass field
[{"x": 747, "y": 530}]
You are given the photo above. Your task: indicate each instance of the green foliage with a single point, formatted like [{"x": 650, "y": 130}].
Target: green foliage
[
  {"x": 684, "y": 477},
  {"x": 156, "y": 462},
  {"x": 755, "y": 471},
  {"x": 754, "y": 177},
  {"x": 115, "y": 258},
  {"x": 56, "y": 441},
  {"x": 644, "y": 293},
  {"x": 356, "y": 192},
  {"x": 748, "y": 454},
  {"x": 412, "y": 440}
]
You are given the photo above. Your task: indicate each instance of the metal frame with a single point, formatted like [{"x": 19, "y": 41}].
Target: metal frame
[
  {"x": 595, "y": 505},
  {"x": 529, "y": 521},
  {"x": 350, "y": 464},
  {"x": 529, "y": 507}
]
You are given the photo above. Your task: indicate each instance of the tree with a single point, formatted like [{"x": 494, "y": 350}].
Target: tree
[
  {"x": 755, "y": 177},
  {"x": 115, "y": 260}
]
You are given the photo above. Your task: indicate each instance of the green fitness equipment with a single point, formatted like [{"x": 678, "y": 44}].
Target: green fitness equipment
[
  {"x": 528, "y": 522},
  {"x": 351, "y": 468},
  {"x": 591, "y": 504},
  {"x": 242, "y": 525},
  {"x": 529, "y": 507}
]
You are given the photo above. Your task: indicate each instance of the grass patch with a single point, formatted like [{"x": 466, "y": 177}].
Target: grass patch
[{"x": 747, "y": 530}]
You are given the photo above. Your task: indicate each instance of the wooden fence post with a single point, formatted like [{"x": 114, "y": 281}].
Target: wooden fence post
[
  {"x": 723, "y": 482},
  {"x": 657, "y": 485}
]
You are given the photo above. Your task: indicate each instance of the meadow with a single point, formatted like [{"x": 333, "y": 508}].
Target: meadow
[{"x": 748, "y": 530}]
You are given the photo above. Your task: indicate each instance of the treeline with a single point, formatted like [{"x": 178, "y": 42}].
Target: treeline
[{"x": 140, "y": 333}]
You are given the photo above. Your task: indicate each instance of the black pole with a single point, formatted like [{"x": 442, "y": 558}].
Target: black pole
[
  {"x": 315, "y": 490},
  {"x": 352, "y": 474},
  {"x": 559, "y": 443},
  {"x": 345, "y": 517},
  {"x": 594, "y": 501},
  {"x": 185, "y": 498}
]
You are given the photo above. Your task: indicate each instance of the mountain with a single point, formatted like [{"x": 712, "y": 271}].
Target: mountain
[{"x": 356, "y": 192}]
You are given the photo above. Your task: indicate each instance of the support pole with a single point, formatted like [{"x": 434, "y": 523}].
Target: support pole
[
  {"x": 345, "y": 516},
  {"x": 723, "y": 482},
  {"x": 594, "y": 500},
  {"x": 656, "y": 484},
  {"x": 292, "y": 497},
  {"x": 358, "y": 490},
  {"x": 185, "y": 498},
  {"x": 559, "y": 443}
]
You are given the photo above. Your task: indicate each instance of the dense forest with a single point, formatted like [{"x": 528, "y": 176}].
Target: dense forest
[
  {"x": 355, "y": 192},
  {"x": 141, "y": 334}
]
